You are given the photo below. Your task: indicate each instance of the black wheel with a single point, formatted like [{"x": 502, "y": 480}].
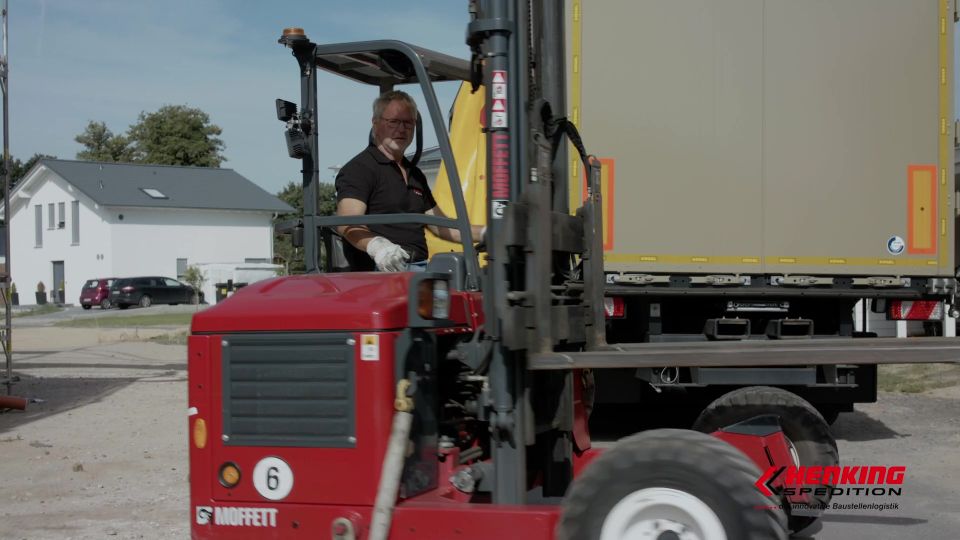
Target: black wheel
[
  {"x": 86, "y": 306},
  {"x": 105, "y": 304},
  {"x": 670, "y": 483},
  {"x": 804, "y": 427},
  {"x": 123, "y": 306},
  {"x": 145, "y": 300}
]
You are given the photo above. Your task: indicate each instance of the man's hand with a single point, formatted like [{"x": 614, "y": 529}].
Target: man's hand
[{"x": 388, "y": 256}]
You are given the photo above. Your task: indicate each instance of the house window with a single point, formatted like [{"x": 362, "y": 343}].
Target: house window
[
  {"x": 38, "y": 230},
  {"x": 61, "y": 215},
  {"x": 154, "y": 193},
  {"x": 181, "y": 268},
  {"x": 50, "y": 216},
  {"x": 75, "y": 221}
]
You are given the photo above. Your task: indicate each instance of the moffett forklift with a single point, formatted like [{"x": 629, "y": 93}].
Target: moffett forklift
[{"x": 453, "y": 403}]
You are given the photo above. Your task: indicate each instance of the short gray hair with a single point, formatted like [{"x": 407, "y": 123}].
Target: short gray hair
[{"x": 385, "y": 98}]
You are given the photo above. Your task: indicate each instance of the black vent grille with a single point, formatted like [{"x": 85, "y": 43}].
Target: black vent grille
[{"x": 288, "y": 390}]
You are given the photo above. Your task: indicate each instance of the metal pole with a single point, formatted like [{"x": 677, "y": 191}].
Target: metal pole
[{"x": 8, "y": 322}]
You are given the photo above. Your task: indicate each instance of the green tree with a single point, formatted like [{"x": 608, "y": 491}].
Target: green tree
[
  {"x": 176, "y": 135},
  {"x": 100, "y": 144},
  {"x": 292, "y": 194}
]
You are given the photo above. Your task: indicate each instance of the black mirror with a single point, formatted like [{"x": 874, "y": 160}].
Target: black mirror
[{"x": 286, "y": 110}]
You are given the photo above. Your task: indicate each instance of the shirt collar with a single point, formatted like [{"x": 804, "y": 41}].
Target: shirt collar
[{"x": 382, "y": 159}]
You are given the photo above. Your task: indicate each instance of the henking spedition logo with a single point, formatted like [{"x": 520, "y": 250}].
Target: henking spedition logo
[{"x": 869, "y": 481}]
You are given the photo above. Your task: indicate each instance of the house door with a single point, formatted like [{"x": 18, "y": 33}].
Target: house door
[{"x": 57, "y": 278}]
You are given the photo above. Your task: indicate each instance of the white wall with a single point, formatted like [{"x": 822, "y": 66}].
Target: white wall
[
  {"x": 147, "y": 241},
  {"x": 30, "y": 264},
  {"x": 150, "y": 240}
]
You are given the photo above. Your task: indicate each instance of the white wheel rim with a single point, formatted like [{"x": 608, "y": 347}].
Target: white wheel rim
[
  {"x": 794, "y": 455},
  {"x": 649, "y": 513}
]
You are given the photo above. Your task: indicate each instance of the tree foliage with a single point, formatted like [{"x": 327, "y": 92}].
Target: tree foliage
[
  {"x": 100, "y": 144},
  {"x": 177, "y": 135},
  {"x": 292, "y": 194},
  {"x": 173, "y": 135}
]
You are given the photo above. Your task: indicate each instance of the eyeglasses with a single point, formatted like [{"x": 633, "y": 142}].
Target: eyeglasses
[{"x": 395, "y": 123}]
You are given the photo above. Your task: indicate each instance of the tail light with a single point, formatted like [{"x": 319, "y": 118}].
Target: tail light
[
  {"x": 917, "y": 310},
  {"x": 433, "y": 299},
  {"x": 128, "y": 288},
  {"x": 614, "y": 307}
]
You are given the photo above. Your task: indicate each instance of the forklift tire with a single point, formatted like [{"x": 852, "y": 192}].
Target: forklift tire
[
  {"x": 664, "y": 480},
  {"x": 802, "y": 424}
]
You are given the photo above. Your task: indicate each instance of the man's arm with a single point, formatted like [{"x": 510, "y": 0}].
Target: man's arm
[
  {"x": 388, "y": 256},
  {"x": 447, "y": 233},
  {"x": 358, "y": 235}
]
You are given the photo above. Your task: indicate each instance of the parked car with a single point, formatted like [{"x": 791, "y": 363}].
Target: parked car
[
  {"x": 146, "y": 291},
  {"x": 96, "y": 292}
]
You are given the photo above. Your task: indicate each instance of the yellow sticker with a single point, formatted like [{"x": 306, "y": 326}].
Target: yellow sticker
[{"x": 370, "y": 347}]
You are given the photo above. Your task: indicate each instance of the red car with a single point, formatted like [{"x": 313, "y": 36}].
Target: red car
[{"x": 96, "y": 292}]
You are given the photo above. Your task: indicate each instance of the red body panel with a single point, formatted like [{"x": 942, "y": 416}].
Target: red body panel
[
  {"x": 344, "y": 476},
  {"x": 411, "y": 521},
  {"x": 353, "y": 301}
]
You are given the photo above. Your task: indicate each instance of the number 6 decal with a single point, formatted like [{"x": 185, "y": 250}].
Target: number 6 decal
[{"x": 273, "y": 478}]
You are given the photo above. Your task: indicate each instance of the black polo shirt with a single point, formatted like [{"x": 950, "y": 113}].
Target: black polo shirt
[{"x": 376, "y": 180}]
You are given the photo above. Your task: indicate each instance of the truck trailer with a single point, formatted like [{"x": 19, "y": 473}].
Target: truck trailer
[{"x": 772, "y": 170}]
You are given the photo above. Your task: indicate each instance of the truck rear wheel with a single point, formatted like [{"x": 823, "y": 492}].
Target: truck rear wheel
[
  {"x": 804, "y": 427},
  {"x": 670, "y": 483}
]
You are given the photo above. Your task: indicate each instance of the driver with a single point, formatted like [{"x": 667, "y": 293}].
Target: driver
[{"x": 380, "y": 180}]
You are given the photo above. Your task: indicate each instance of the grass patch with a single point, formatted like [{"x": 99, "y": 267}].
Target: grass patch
[
  {"x": 173, "y": 338},
  {"x": 159, "y": 319},
  {"x": 915, "y": 378},
  {"x": 39, "y": 310}
]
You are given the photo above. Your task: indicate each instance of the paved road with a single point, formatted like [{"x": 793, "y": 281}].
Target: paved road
[{"x": 920, "y": 432}]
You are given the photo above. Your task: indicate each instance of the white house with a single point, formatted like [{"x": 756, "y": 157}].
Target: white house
[{"x": 78, "y": 220}]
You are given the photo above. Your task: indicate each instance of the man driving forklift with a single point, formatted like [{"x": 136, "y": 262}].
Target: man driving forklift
[{"x": 381, "y": 180}]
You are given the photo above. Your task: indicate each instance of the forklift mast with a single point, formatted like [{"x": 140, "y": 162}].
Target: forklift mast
[{"x": 543, "y": 286}]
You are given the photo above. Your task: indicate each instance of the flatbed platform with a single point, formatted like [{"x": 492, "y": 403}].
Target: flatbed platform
[{"x": 928, "y": 350}]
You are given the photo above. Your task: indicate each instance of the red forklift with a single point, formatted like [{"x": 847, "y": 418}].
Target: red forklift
[{"x": 453, "y": 403}]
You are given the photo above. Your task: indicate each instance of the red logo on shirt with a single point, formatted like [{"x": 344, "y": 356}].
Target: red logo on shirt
[{"x": 417, "y": 191}]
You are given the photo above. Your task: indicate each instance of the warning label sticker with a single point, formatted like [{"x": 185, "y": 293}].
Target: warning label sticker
[{"x": 370, "y": 347}]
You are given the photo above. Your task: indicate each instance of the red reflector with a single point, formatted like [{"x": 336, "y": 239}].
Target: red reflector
[
  {"x": 614, "y": 307},
  {"x": 917, "y": 310}
]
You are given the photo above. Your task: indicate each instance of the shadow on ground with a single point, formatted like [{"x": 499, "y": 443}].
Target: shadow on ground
[
  {"x": 858, "y": 426},
  {"x": 59, "y": 395}
]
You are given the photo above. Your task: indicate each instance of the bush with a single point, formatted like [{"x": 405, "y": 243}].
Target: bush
[{"x": 195, "y": 278}]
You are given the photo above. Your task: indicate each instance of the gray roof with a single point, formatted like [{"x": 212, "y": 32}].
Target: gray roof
[
  {"x": 430, "y": 156},
  {"x": 122, "y": 184}
]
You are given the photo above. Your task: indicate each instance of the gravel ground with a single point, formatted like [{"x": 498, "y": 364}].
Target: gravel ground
[{"x": 105, "y": 455}]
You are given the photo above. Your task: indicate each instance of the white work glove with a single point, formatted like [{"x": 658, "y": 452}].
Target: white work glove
[{"x": 388, "y": 256}]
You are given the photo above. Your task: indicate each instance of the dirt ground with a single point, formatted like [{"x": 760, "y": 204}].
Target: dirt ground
[{"x": 105, "y": 455}]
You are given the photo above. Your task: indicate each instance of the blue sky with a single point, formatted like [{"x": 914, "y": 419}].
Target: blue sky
[{"x": 72, "y": 61}]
